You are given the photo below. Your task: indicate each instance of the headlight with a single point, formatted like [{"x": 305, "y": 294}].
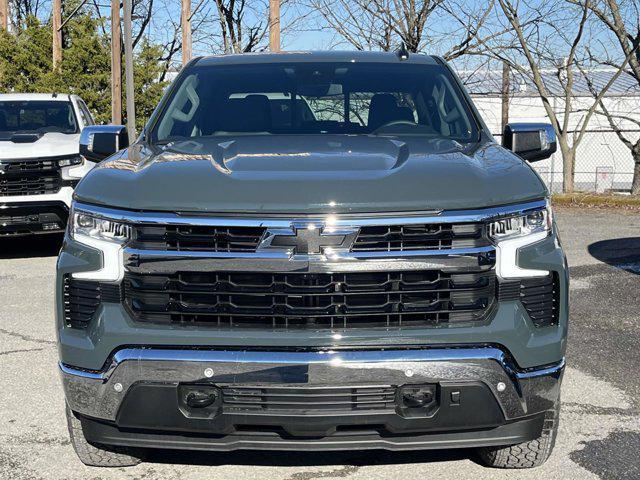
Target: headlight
[
  {"x": 67, "y": 162},
  {"x": 512, "y": 233},
  {"x": 521, "y": 225},
  {"x": 105, "y": 235},
  {"x": 75, "y": 167},
  {"x": 85, "y": 224}
]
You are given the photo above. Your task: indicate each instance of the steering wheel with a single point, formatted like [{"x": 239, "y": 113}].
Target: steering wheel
[{"x": 393, "y": 123}]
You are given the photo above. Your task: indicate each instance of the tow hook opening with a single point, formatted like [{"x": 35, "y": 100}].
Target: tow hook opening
[
  {"x": 418, "y": 400},
  {"x": 199, "y": 400}
]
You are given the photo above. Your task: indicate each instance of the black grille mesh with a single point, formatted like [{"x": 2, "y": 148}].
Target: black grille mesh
[
  {"x": 305, "y": 399},
  {"x": 303, "y": 300},
  {"x": 30, "y": 177},
  {"x": 397, "y": 238},
  {"x": 198, "y": 238}
]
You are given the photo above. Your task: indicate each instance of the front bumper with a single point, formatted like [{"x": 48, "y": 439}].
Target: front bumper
[
  {"x": 29, "y": 214},
  {"x": 33, "y": 218},
  {"x": 480, "y": 398}
]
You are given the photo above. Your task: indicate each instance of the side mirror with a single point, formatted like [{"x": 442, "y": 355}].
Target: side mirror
[
  {"x": 98, "y": 142},
  {"x": 531, "y": 141}
]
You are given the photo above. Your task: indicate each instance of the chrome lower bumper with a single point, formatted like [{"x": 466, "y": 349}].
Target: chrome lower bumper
[{"x": 99, "y": 394}]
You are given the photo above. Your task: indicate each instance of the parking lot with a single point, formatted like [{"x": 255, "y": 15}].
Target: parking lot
[{"x": 600, "y": 424}]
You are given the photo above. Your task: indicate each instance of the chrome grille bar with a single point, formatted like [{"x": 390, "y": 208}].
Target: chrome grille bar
[{"x": 147, "y": 261}]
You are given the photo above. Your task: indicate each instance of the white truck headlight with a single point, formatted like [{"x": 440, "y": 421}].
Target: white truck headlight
[
  {"x": 70, "y": 161},
  {"x": 75, "y": 167},
  {"x": 514, "y": 232},
  {"x": 103, "y": 234},
  {"x": 521, "y": 225}
]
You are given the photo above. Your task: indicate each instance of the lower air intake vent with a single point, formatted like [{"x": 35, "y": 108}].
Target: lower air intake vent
[
  {"x": 83, "y": 297},
  {"x": 540, "y": 296},
  {"x": 300, "y": 399}
]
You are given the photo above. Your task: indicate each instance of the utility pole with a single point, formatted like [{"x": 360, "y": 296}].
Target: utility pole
[
  {"x": 56, "y": 14},
  {"x": 4, "y": 14},
  {"x": 274, "y": 25},
  {"x": 505, "y": 95},
  {"x": 186, "y": 31},
  {"x": 128, "y": 69},
  {"x": 116, "y": 64}
]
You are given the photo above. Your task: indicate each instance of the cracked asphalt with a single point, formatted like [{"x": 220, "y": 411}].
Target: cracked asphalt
[{"x": 600, "y": 421}]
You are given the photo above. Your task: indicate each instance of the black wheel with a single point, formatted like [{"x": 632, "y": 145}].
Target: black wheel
[
  {"x": 96, "y": 455},
  {"x": 528, "y": 454}
]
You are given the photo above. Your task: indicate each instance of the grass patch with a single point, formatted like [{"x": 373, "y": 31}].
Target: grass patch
[{"x": 593, "y": 200}]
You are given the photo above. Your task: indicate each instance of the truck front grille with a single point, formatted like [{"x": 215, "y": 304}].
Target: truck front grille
[
  {"x": 305, "y": 399},
  {"x": 29, "y": 177},
  {"x": 198, "y": 238},
  {"x": 397, "y": 238},
  {"x": 385, "y": 238},
  {"x": 311, "y": 300}
]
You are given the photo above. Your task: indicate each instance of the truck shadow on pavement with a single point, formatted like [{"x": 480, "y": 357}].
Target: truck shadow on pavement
[
  {"x": 614, "y": 457},
  {"x": 262, "y": 458},
  {"x": 30, "y": 246},
  {"x": 622, "y": 253}
]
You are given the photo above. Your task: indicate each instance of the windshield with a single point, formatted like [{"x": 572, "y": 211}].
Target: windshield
[
  {"x": 36, "y": 117},
  {"x": 316, "y": 98}
]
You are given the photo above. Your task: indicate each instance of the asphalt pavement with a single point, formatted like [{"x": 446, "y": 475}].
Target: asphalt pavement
[{"x": 600, "y": 420}]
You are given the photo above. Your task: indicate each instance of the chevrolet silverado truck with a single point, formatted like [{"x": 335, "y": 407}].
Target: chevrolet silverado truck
[
  {"x": 313, "y": 251},
  {"x": 39, "y": 160}
]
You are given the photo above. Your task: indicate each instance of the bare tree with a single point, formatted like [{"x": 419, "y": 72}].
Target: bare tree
[
  {"x": 21, "y": 9},
  {"x": 360, "y": 23},
  {"x": 157, "y": 21},
  {"x": 384, "y": 24},
  {"x": 240, "y": 26},
  {"x": 238, "y": 35},
  {"x": 142, "y": 13},
  {"x": 553, "y": 37},
  {"x": 622, "y": 20}
]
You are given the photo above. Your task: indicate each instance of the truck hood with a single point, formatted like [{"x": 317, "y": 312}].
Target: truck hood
[
  {"x": 311, "y": 174},
  {"x": 48, "y": 145}
]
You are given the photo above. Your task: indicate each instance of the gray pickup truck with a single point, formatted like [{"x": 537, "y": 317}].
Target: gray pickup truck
[{"x": 313, "y": 251}]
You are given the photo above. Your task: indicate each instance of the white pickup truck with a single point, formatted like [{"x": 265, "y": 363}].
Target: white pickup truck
[{"x": 39, "y": 160}]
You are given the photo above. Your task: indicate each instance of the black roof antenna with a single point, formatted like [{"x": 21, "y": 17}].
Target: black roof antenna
[{"x": 402, "y": 52}]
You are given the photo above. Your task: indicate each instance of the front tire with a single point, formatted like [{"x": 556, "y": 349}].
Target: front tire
[
  {"x": 527, "y": 454},
  {"x": 96, "y": 455}
]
